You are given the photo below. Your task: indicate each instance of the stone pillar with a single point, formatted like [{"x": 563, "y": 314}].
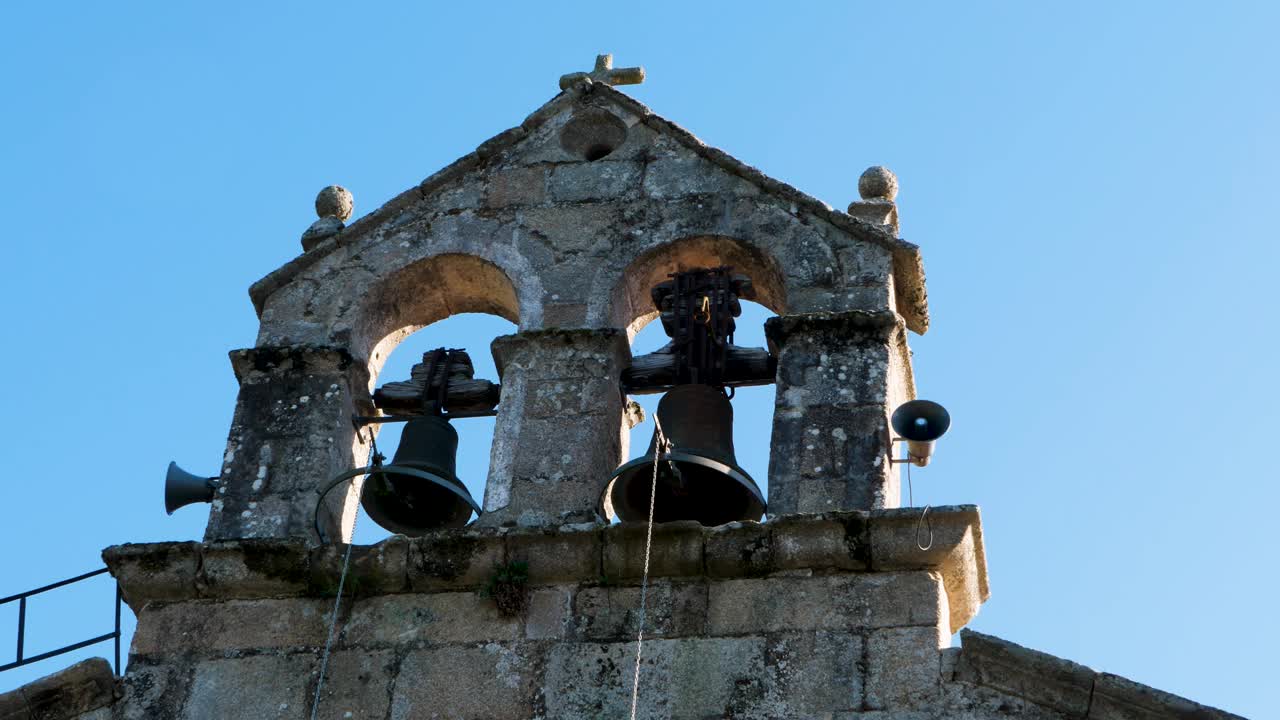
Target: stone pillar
[
  {"x": 839, "y": 377},
  {"x": 557, "y": 436},
  {"x": 291, "y": 433}
]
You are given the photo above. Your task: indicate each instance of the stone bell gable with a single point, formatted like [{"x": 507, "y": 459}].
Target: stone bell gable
[
  {"x": 533, "y": 203},
  {"x": 562, "y": 225},
  {"x": 839, "y": 606}
]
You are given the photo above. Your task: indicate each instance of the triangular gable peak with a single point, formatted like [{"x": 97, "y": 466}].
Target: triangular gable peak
[{"x": 566, "y": 221}]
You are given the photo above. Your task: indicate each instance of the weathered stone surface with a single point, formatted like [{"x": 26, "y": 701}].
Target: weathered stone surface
[
  {"x": 600, "y": 180},
  {"x": 335, "y": 201},
  {"x": 903, "y": 668},
  {"x": 673, "y": 609},
  {"x": 816, "y": 673},
  {"x": 262, "y": 568},
  {"x": 865, "y": 266},
  {"x": 381, "y": 568},
  {"x": 154, "y": 691},
  {"x": 838, "y": 543},
  {"x": 70, "y": 693},
  {"x": 1043, "y": 679},
  {"x": 557, "y": 439},
  {"x": 878, "y": 183},
  {"x": 434, "y": 619},
  {"x": 492, "y": 680},
  {"x": 154, "y": 571},
  {"x": 604, "y": 72},
  {"x": 833, "y": 602},
  {"x": 455, "y": 559},
  {"x": 681, "y": 678},
  {"x": 956, "y": 552},
  {"x": 452, "y": 197},
  {"x": 259, "y": 624},
  {"x": 1117, "y": 698},
  {"x": 831, "y": 443},
  {"x": 676, "y": 550},
  {"x": 291, "y": 433},
  {"x": 517, "y": 186},
  {"x": 996, "y": 678},
  {"x": 550, "y": 615},
  {"x": 13, "y": 706},
  {"x": 568, "y": 232},
  {"x": 162, "y": 627},
  {"x": 251, "y": 688},
  {"x": 739, "y": 550},
  {"x": 556, "y": 556},
  {"x": 964, "y": 701},
  {"x": 319, "y": 231},
  {"x": 358, "y": 685},
  {"x": 878, "y": 212},
  {"x": 683, "y": 175}
]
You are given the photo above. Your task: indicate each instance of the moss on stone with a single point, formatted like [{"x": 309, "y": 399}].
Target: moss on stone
[
  {"x": 155, "y": 561},
  {"x": 856, "y": 537},
  {"x": 275, "y": 560},
  {"x": 448, "y": 555}
]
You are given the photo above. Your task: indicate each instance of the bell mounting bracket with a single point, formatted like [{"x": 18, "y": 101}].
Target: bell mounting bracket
[
  {"x": 441, "y": 370},
  {"x": 697, "y": 309}
]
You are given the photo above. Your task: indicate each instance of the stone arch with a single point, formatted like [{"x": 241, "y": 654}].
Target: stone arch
[
  {"x": 413, "y": 296},
  {"x": 630, "y": 304},
  {"x": 427, "y": 291}
]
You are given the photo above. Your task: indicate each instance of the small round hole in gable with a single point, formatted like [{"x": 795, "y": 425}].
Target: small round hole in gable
[
  {"x": 595, "y": 152},
  {"x": 593, "y": 134}
]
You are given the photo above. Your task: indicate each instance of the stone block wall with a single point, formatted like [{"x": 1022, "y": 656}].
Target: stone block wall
[
  {"x": 837, "y": 616},
  {"x": 811, "y": 617}
]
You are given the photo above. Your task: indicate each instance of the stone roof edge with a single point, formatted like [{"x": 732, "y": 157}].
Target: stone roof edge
[
  {"x": 908, "y": 267},
  {"x": 1065, "y": 686},
  {"x": 263, "y": 288},
  {"x": 66, "y": 694}
]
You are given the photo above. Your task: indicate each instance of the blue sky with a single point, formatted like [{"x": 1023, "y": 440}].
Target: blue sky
[{"x": 1092, "y": 186}]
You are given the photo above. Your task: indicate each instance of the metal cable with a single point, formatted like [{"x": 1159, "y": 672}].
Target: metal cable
[
  {"x": 660, "y": 449},
  {"x": 924, "y": 516},
  {"x": 342, "y": 581}
]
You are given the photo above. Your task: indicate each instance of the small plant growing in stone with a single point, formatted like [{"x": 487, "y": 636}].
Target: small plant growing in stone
[{"x": 508, "y": 587}]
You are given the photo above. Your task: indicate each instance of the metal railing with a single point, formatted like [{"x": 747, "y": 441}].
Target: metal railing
[{"x": 21, "y": 599}]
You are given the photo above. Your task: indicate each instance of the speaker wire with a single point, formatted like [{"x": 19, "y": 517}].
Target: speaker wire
[{"x": 924, "y": 516}]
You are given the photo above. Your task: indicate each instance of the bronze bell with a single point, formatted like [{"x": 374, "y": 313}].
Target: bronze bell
[
  {"x": 419, "y": 490},
  {"x": 699, "y": 479}
]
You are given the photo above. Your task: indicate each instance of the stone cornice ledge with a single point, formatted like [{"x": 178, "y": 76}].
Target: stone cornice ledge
[{"x": 877, "y": 541}]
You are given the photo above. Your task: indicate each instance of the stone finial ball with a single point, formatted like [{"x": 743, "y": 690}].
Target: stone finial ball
[
  {"x": 878, "y": 183},
  {"x": 335, "y": 201}
]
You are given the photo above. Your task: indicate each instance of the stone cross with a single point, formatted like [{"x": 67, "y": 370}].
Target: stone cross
[{"x": 604, "y": 73}]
